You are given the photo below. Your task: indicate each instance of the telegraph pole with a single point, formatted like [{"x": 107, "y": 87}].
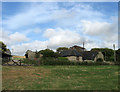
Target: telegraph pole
[
  {"x": 83, "y": 46},
  {"x": 114, "y": 53}
]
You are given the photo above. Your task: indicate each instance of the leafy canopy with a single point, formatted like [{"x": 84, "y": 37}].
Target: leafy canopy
[
  {"x": 3, "y": 46},
  {"x": 48, "y": 53}
]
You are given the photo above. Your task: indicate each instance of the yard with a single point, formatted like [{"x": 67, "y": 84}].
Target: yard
[{"x": 60, "y": 77}]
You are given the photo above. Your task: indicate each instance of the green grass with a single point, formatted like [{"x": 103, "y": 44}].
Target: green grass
[{"x": 60, "y": 77}]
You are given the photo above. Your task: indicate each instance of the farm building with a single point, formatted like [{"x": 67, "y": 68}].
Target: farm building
[
  {"x": 31, "y": 55},
  {"x": 74, "y": 55}
]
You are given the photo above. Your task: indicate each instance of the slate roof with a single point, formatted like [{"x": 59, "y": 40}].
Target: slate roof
[
  {"x": 87, "y": 55},
  {"x": 70, "y": 52}
]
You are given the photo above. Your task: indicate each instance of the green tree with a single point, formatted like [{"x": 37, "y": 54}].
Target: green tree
[
  {"x": 61, "y": 49},
  {"x": 3, "y": 46},
  {"x": 49, "y": 53}
]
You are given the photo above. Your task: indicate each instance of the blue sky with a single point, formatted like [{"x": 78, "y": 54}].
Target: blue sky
[{"x": 35, "y": 26}]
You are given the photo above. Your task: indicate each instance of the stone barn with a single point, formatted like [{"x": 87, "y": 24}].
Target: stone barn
[
  {"x": 31, "y": 55},
  {"x": 72, "y": 55}
]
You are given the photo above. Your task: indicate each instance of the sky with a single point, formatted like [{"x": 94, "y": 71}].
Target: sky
[{"x": 40, "y": 25}]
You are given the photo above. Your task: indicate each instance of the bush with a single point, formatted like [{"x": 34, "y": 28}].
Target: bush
[
  {"x": 54, "y": 61},
  {"x": 31, "y": 62},
  {"x": 63, "y": 58},
  {"x": 61, "y": 61}
]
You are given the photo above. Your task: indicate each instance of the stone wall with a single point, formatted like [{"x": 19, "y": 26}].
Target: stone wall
[
  {"x": 74, "y": 58},
  {"x": 99, "y": 55},
  {"x": 31, "y": 55}
]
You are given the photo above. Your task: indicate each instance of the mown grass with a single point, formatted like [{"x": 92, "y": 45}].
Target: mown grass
[{"x": 60, "y": 77}]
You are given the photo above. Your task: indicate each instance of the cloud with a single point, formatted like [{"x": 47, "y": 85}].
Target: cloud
[
  {"x": 18, "y": 37},
  {"x": 20, "y": 49},
  {"x": 62, "y": 37},
  {"x": 104, "y": 30},
  {"x": 13, "y": 38}
]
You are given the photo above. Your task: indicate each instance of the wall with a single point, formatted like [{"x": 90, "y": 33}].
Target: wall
[
  {"x": 74, "y": 58},
  {"x": 31, "y": 55},
  {"x": 99, "y": 55}
]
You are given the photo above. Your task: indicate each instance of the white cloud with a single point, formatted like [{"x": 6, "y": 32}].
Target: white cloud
[
  {"x": 20, "y": 49},
  {"x": 10, "y": 39},
  {"x": 59, "y": 37},
  {"x": 104, "y": 30},
  {"x": 18, "y": 37}
]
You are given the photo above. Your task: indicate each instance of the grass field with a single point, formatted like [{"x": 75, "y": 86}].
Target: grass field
[{"x": 60, "y": 77}]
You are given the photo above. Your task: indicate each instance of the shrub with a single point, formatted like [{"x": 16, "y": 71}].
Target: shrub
[
  {"x": 63, "y": 58},
  {"x": 27, "y": 61},
  {"x": 54, "y": 61},
  {"x": 61, "y": 61}
]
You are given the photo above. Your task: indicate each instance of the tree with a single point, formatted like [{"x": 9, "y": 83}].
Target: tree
[
  {"x": 61, "y": 49},
  {"x": 3, "y": 46},
  {"x": 49, "y": 53}
]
